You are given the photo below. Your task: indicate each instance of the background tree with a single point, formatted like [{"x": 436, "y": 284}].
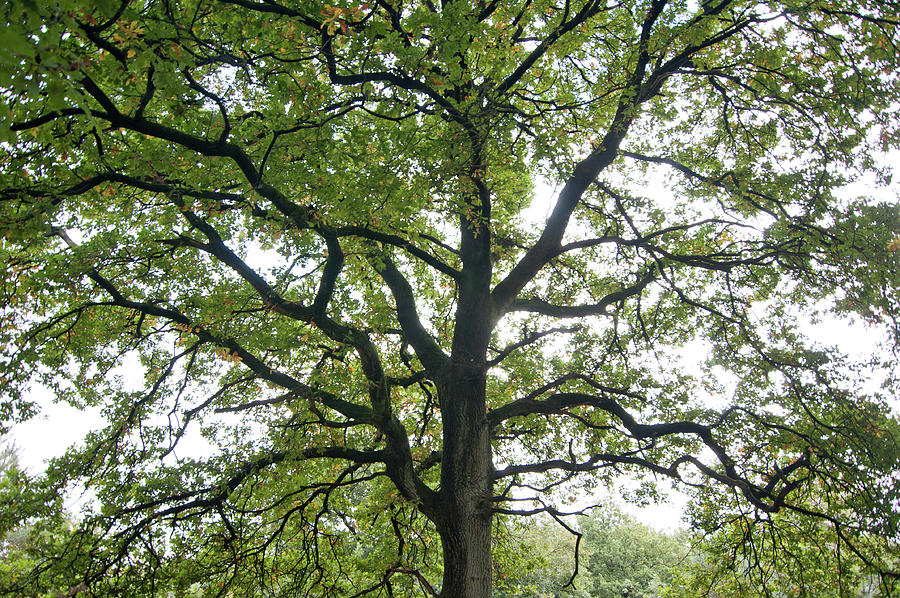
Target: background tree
[
  {"x": 630, "y": 559},
  {"x": 748, "y": 554},
  {"x": 537, "y": 560},
  {"x": 619, "y": 557},
  {"x": 33, "y": 530},
  {"x": 304, "y": 227},
  {"x": 9, "y": 455}
]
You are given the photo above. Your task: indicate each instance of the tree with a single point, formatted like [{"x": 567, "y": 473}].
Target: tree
[
  {"x": 9, "y": 456},
  {"x": 537, "y": 560},
  {"x": 33, "y": 529},
  {"x": 630, "y": 559},
  {"x": 748, "y": 555},
  {"x": 619, "y": 557},
  {"x": 304, "y": 227}
]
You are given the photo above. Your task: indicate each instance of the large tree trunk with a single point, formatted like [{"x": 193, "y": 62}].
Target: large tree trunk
[
  {"x": 466, "y": 492},
  {"x": 467, "y": 554},
  {"x": 464, "y": 522}
]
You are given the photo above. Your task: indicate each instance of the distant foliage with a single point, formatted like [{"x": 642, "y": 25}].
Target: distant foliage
[{"x": 618, "y": 556}]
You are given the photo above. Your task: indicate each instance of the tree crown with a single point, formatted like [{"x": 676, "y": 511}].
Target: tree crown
[{"x": 308, "y": 223}]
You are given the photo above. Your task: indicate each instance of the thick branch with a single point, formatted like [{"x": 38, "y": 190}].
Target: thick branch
[
  {"x": 529, "y": 338},
  {"x": 580, "y": 311},
  {"x": 590, "y": 9},
  {"x": 333, "y": 265},
  {"x": 401, "y": 243},
  {"x": 560, "y": 402},
  {"x": 199, "y": 145},
  {"x": 251, "y": 361},
  {"x": 637, "y": 91},
  {"x": 591, "y": 464},
  {"x": 429, "y": 352}
]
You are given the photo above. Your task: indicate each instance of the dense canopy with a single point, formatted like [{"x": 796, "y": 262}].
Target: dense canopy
[{"x": 410, "y": 268}]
